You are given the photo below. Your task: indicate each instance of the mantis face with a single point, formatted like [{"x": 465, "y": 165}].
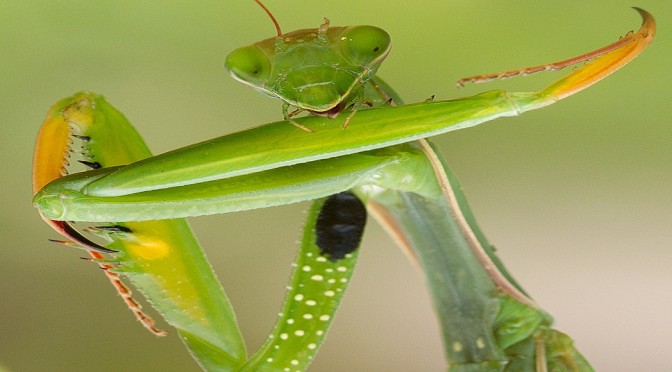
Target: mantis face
[{"x": 317, "y": 70}]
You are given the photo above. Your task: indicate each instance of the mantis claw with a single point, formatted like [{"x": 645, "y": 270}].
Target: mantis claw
[
  {"x": 77, "y": 240},
  {"x": 90, "y": 164},
  {"x": 114, "y": 229}
]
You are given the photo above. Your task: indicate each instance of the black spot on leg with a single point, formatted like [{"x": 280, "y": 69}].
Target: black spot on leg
[{"x": 340, "y": 225}]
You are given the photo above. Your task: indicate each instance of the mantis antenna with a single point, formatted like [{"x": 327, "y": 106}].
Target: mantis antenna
[{"x": 275, "y": 21}]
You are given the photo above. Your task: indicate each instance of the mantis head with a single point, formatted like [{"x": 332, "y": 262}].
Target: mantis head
[{"x": 312, "y": 69}]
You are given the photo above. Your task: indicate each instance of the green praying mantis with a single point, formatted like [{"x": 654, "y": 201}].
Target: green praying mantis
[{"x": 359, "y": 145}]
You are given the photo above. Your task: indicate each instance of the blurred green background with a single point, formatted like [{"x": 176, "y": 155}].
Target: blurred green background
[{"x": 576, "y": 197}]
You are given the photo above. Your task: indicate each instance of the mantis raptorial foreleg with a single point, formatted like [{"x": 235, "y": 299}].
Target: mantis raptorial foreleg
[
  {"x": 488, "y": 321},
  {"x": 161, "y": 258}
]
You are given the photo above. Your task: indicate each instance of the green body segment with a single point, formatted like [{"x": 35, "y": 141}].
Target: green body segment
[
  {"x": 259, "y": 190},
  {"x": 484, "y": 315}
]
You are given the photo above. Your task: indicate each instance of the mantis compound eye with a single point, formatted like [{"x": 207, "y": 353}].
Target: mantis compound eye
[
  {"x": 340, "y": 225},
  {"x": 249, "y": 65},
  {"x": 363, "y": 45}
]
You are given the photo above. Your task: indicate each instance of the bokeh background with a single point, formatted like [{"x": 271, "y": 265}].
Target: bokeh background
[{"x": 576, "y": 197}]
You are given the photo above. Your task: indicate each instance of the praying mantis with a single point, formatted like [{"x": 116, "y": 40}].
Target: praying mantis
[{"x": 381, "y": 157}]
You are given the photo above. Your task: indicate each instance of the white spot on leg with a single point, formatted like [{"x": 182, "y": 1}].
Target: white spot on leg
[
  {"x": 457, "y": 346},
  {"x": 329, "y": 293},
  {"x": 324, "y": 317},
  {"x": 480, "y": 343},
  {"x": 317, "y": 278},
  {"x": 299, "y": 332},
  {"x": 284, "y": 336},
  {"x": 298, "y": 297}
]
